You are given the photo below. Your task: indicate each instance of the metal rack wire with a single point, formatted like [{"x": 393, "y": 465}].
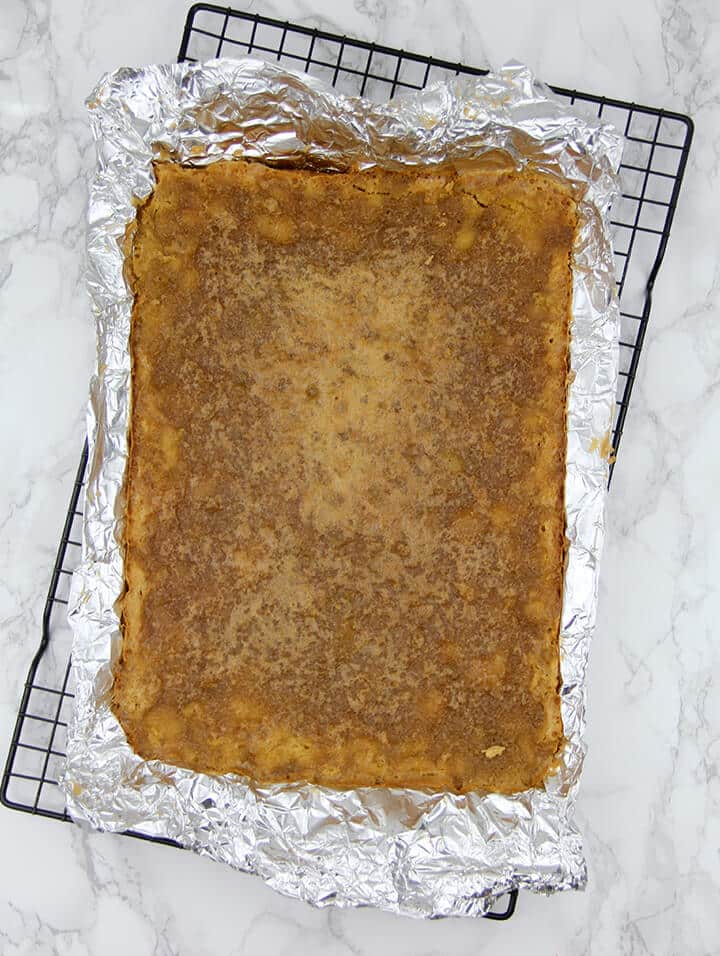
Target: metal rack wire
[{"x": 656, "y": 153}]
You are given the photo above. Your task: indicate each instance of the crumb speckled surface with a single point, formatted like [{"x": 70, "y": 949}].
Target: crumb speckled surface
[{"x": 345, "y": 510}]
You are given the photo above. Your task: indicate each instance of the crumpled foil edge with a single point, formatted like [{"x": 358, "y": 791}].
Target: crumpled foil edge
[{"x": 421, "y": 854}]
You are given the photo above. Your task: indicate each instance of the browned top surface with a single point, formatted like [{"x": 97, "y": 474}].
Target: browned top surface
[{"x": 345, "y": 488}]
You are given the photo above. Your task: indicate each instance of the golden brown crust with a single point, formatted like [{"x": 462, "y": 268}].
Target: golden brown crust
[{"x": 345, "y": 521}]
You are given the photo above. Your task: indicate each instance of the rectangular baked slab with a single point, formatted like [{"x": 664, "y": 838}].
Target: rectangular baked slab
[{"x": 345, "y": 513}]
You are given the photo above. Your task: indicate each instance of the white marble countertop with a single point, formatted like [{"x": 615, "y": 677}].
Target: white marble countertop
[{"x": 650, "y": 801}]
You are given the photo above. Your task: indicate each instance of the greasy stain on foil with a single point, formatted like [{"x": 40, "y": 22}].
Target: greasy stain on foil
[{"x": 422, "y": 854}]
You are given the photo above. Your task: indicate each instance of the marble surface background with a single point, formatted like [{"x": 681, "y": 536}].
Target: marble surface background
[{"x": 650, "y": 800}]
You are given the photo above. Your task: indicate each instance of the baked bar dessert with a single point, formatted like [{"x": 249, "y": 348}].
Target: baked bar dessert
[{"x": 345, "y": 515}]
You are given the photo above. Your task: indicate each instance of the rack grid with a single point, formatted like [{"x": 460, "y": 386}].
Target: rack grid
[{"x": 654, "y": 161}]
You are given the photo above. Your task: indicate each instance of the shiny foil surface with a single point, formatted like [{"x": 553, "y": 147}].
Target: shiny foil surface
[{"x": 417, "y": 853}]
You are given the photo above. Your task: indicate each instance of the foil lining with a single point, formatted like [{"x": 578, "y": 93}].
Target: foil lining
[{"x": 422, "y": 854}]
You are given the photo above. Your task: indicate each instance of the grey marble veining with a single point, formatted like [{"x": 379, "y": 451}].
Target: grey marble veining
[{"x": 650, "y": 799}]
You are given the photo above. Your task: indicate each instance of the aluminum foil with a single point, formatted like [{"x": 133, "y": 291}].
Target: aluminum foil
[{"x": 423, "y": 854}]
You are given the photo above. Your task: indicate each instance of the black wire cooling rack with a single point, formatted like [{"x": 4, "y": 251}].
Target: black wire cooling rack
[{"x": 656, "y": 153}]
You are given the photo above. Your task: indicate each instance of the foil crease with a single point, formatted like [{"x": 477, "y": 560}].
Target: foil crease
[{"x": 417, "y": 853}]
